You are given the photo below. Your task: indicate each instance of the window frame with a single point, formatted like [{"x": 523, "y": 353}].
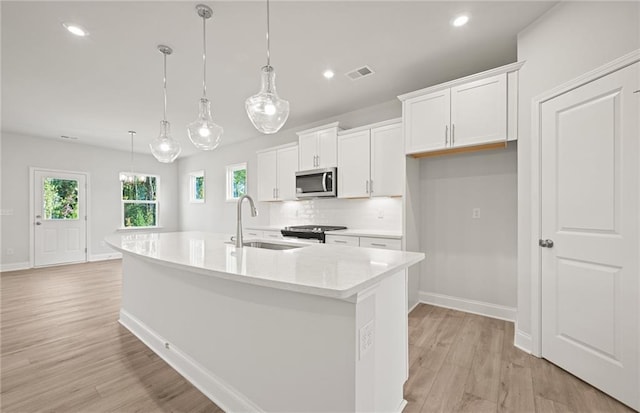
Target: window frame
[
  {"x": 230, "y": 169},
  {"x": 192, "y": 187},
  {"x": 129, "y": 201}
]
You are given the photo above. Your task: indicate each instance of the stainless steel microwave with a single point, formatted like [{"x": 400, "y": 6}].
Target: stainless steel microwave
[{"x": 316, "y": 183}]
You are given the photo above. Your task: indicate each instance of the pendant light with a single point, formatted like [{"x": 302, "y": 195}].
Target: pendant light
[
  {"x": 164, "y": 147},
  {"x": 131, "y": 176},
  {"x": 266, "y": 110},
  {"x": 204, "y": 132}
]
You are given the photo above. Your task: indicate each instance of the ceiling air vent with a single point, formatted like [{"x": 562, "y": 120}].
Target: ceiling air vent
[{"x": 360, "y": 72}]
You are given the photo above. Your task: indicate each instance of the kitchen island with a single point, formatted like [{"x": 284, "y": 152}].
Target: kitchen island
[{"x": 319, "y": 328}]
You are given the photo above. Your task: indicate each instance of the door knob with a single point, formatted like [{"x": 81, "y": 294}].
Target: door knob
[
  {"x": 38, "y": 223},
  {"x": 545, "y": 243}
]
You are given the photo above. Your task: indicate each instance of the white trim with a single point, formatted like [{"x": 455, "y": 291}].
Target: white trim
[
  {"x": 15, "y": 266},
  {"x": 416, "y": 304},
  {"x": 477, "y": 76},
  {"x": 272, "y": 148},
  {"x": 522, "y": 340},
  {"x": 469, "y": 306},
  {"x": 376, "y": 125},
  {"x": 105, "y": 256},
  {"x": 536, "y": 208},
  {"x": 225, "y": 396},
  {"x": 319, "y": 128},
  {"x": 87, "y": 210}
]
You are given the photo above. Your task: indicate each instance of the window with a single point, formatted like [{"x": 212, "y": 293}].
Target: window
[
  {"x": 60, "y": 199},
  {"x": 140, "y": 202},
  {"x": 196, "y": 187},
  {"x": 236, "y": 181}
]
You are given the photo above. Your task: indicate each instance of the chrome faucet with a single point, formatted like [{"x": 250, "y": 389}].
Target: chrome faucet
[{"x": 254, "y": 212}]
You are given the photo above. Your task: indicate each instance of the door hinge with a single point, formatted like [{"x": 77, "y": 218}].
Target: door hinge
[
  {"x": 85, "y": 250},
  {"x": 85, "y": 217}
]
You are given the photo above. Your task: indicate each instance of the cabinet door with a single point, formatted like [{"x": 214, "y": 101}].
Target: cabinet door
[
  {"x": 308, "y": 151},
  {"x": 426, "y": 122},
  {"x": 387, "y": 163},
  {"x": 479, "y": 111},
  {"x": 327, "y": 148},
  {"x": 267, "y": 178},
  {"x": 353, "y": 165},
  {"x": 287, "y": 167}
]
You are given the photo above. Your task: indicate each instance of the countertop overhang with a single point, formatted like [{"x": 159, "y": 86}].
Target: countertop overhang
[{"x": 318, "y": 269}]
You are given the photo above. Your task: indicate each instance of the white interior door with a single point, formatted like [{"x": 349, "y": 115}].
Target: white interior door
[
  {"x": 60, "y": 226},
  {"x": 589, "y": 209}
]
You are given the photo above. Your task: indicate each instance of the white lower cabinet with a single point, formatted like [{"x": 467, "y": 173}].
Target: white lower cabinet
[
  {"x": 384, "y": 243},
  {"x": 367, "y": 242},
  {"x": 272, "y": 234}
]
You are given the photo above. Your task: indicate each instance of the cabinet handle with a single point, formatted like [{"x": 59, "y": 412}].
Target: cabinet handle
[
  {"x": 366, "y": 186},
  {"x": 273, "y": 193},
  {"x": 338, "y": 241},
  {"x": 371, "y": 186},
  {"x": 453, "y": 134},
  {"x": 378, "y": 245},
  {"x": 446, "y": 135},
  {"x": 318, "y": 160}
]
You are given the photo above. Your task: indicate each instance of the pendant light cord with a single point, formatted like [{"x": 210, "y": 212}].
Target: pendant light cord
[
  {"x": 164, "y": 86},
  {"x": 204, "y": 56},
  {"x": 268, "y": 45},
  {"x": 131, "y": 133}
]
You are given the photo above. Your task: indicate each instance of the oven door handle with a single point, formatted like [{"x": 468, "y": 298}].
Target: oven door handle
[{"x": 324, "y": 181}]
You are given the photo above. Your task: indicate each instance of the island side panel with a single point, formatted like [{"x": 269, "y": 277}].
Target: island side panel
[{"x": 247, "y": 347}]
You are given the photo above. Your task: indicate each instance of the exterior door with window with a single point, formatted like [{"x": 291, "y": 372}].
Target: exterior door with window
[
  {"x": 590, "y": 202},
  {"x": 60, "y": 226}
]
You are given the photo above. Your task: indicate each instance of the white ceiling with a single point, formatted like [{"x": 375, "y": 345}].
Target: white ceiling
[{"x": 99, "y": 87}]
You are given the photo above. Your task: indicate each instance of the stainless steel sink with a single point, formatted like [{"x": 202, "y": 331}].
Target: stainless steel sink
[{"x": 268, "y": 245}]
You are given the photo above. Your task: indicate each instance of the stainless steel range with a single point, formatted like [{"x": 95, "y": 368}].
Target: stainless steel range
[{"x": 313, "y": 232}]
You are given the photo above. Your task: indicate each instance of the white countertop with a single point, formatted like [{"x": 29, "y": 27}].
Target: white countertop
[{"x": 319, "y": 269}]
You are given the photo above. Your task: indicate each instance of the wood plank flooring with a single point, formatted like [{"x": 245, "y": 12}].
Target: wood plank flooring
[{"x": 62, "y": 350}]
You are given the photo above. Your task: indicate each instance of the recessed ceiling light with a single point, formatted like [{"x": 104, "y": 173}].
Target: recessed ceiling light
[
  {"x": 328, "y": 73},
  {"x": 460, "y": 20},
  {"x": 75, "y": 29}
]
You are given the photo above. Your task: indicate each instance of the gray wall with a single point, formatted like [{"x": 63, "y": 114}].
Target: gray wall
[
  {"x": 470, "y": 259},
  {"x": 218, "y": 215},
  {"x": 569, "y": 40},
  {"x": 103, "y": 166}
]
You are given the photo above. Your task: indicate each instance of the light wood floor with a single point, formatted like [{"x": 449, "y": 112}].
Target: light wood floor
[{"x": 64, "y": 351}]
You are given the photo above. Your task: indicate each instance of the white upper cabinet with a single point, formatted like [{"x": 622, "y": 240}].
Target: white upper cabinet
[
  {"x": 318, "y": 147},
  {"x": 477, "y": 110},
  {"x": 387, "y": 161},
  {"x": 427, "y": 120},
  {"x": 287, "y": 166},
  {"x": 353, "y": 164},
  {"x": 276, "y": 173},
  {"x": 371, "y": 161}
]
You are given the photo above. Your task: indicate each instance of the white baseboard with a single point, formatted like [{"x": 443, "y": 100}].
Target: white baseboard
[
  {"x": 523, "y": 340},
  {"x": 223, "y": 395},
  {"x": 469, "y": 306},
  {"x": 104, "y": 257},
  {"x": 14, "y": 266}
]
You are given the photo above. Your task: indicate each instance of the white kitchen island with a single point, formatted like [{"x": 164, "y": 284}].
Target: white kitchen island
[{"x": 315, "y": 329}]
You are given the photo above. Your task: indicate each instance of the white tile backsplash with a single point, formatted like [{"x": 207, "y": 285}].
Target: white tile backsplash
[{"x": 375, "y": 214}]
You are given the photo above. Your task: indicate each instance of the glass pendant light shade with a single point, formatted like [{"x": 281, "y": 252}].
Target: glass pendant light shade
[
  {"x": 204, "y": 132},
  {"x": 131, "y": 176},
  {"x": 266, "y": 110},
  {"x": 164, "y": 147}
]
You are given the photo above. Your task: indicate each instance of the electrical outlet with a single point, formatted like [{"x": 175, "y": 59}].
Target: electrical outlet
[
  {"x": 381, "y": 214},
  {"x": 367, "y": 333},
  {"x": 10, "y": 251},
  {"x": 476, "y": 213}
]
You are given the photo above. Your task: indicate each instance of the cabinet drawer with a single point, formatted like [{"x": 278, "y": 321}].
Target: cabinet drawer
[
  {"x": 272, "y": 234},
  {"x": 342, "y": 240},
  {"x": 253, "y": 233},
  {"x": 383, "y": 243}
]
